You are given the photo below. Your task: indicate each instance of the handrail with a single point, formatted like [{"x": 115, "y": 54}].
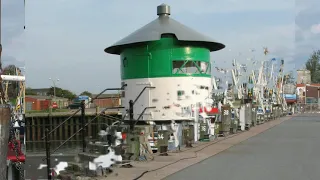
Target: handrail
[
  {"x": 146, "y": 87},
  {"x": 63, "y": 122},
  {"x": 144, "y": 110},
  {"x": 64, "y": 142},
  {"x": 82, "y": 109}
]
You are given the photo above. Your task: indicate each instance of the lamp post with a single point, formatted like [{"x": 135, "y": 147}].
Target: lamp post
[{"x": 54, "y": 86}]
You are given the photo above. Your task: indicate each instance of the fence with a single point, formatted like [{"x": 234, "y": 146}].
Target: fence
[
  {"x": 307, "y": 108},
  {"x": 35, "y": 130}
]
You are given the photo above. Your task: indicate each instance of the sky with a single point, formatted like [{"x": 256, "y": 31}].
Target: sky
[
  {"x": 65, "y": 39},
  {"x": 12, "y": 33},
  {"x": 307, "y": 31}
]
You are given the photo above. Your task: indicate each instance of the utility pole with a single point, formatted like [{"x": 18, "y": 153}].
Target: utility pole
[{"x": 54, "y": 86}]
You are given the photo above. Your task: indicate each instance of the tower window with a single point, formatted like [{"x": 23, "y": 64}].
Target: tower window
[{"x": 190, "y": 67}]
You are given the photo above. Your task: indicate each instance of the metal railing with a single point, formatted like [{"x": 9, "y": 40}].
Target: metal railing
[
  {"x": 83, "y": 125},
  {"x": 307, "y": 107}
]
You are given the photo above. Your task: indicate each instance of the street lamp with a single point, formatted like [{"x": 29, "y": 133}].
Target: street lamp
[{"x": 54, "y": 86}]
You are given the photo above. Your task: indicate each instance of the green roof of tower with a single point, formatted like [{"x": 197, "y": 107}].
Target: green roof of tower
[{"x": 164, "y": 25}]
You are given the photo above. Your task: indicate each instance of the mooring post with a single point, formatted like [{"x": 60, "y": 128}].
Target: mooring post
[
  {"x": 47, "y": 144},
  {"x": 131, "y": 115},
  {"x": 83, "y": 113},
  {"x": 5, "y": 115}
]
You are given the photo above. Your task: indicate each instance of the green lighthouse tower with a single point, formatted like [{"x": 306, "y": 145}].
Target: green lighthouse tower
[{"x": 171, "y": 58}]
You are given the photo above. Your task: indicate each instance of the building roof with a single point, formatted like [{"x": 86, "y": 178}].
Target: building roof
[
  {"x": 105, "y": 96},
  {"x": 46, "y": 97},
  {"x": 40, "y": 89},
  {"x": 164, "y": 25}
]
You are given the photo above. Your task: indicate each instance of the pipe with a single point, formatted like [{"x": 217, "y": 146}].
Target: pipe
[
  {"x": 5, "y": 116},
  {"x": 13, "y": 78}
]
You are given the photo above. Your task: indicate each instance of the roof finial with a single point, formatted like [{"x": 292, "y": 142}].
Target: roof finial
[{"x": 163, "y": 10}]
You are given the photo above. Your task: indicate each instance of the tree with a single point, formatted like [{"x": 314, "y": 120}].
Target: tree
[
  {"x": 29, "y": 91},
  {"x": 13, "y": 86},
  {"x": 86, "y": 93},
  {"x": 313, "y": 65},
  {"x": 62, "y": 93},
  {"x": 288, "y": 78}
]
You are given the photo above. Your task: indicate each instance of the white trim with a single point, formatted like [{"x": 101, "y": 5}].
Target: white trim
[{"x": 13, "y": 78}]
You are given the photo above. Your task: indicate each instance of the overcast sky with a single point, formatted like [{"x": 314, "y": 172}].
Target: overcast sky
[
  {"x": 13, "y": 41},
  {"x": 307, "y": 28},
  {"x": 65, "y": 39}
]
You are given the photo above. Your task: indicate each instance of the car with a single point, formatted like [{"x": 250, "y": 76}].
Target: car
[{"x": 74, "y": 106}]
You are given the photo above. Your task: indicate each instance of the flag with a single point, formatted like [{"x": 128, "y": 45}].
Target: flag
[{"x": 265, "y": 51}]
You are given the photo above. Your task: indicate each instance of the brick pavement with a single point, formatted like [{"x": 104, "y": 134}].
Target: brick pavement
[{"x": 168, "y": 165}]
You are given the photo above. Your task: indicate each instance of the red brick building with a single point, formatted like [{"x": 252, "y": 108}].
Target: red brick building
[
  {"x": 39, "y": 103},
  {"x": 309, "y": 93},
  {"x": 107, "y": 100}
]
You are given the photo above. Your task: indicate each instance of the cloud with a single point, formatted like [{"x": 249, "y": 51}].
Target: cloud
[
  {"x": 12, "y": 19},
  {"x": 10, "y": 60},
  {"x": 202, "y": 6},
  {"x": 315, "y": 29},
  {"x": 307, "y": 30},
  {"x": 62, "y": 42}
]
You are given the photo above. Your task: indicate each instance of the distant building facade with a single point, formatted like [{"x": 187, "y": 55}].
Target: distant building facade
[
  {"x": 41, "y": 91},
  {"x": 303, "y": 76},
  {"x": 107, "y": 100},
  {"x": 40, "y": 103},
  {"x": 308, "y": 93}
]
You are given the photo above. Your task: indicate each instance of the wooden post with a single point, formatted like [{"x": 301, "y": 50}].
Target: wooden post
[{"x": 4, "y": 138}]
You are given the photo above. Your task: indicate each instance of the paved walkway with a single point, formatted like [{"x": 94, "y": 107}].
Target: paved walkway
[
  {"x": 162, "y": 167},
  {"x": 289, "y": 151}
]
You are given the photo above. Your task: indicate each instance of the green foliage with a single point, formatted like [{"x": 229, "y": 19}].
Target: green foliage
[
  {"x": 13, "y": 86},
  {"x": 29, "y": 91},
  {"x": 86, "y": 93},
  {"x": 288, "y": 78},
  {"x": 313, "y": 65},
  {"x": 62, "y": 93}
]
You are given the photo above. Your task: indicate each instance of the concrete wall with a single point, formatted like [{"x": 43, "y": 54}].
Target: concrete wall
[{"x": 172, "y": 96}]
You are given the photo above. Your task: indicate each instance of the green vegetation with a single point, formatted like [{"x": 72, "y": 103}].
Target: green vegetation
[
  {"x": 62, "y": 93},
  {"x": 313, "y": 65},
  {"x": 29, "y": 91},
  {"x": 86, "y": 93}
]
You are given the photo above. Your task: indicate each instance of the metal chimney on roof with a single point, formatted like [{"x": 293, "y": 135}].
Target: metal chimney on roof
[{"x": 163, "y": 10}]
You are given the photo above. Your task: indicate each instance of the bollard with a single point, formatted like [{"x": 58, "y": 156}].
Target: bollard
[
  {"x": 204, "y": 136},
  {"x": 163, "y": 137},
  {"x": 133, "y": 144},
  {"x": 254, "y": 115},
  {"x": 234, "y": 123},
  {"x": 5, "y": 117},
  {"x": 248, "y": 116},
  {"x": 186, "y": 137},
  {"x": 225, "y": 120}
]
